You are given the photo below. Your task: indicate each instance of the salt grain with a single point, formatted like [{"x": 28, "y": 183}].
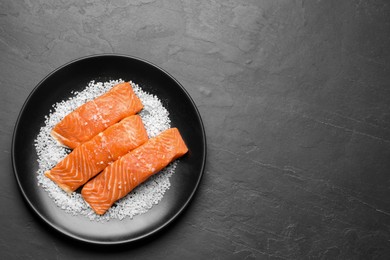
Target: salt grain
[{"x": 155, "y": 118}]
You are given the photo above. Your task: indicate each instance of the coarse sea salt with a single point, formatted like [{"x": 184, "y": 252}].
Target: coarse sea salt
[{"x": 155, "y": 118}]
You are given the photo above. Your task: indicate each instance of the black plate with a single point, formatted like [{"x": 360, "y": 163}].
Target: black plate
[{"x": 75, "y": 75}]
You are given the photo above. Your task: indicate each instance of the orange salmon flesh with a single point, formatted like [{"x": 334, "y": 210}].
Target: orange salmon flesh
[
  {"x": 122, "y": 176},
  {"x": 91, "y": 157},
  {"x": 96, "y": 115}
]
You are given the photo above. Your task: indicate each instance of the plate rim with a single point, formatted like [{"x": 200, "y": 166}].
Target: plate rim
[{"x": 123, "y": 241}]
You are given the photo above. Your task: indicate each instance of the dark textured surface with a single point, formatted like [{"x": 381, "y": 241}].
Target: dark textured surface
[{"x": 295, "y": 97}]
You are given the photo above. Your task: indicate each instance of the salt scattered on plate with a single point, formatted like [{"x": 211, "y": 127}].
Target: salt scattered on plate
[{"x": 155, "y": 118}]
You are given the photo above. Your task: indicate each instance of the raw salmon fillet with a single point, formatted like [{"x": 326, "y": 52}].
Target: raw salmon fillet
[
  {"x": 122, "y": 176},
  {"x": 96, "y": 115},
  {"x": 91, "y": 157}
]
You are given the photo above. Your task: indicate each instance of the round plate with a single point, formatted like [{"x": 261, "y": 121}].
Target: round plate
[{"x": 75, "y": 75}]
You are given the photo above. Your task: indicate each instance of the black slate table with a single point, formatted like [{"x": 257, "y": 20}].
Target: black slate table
[{"x": 295, "y": 98}]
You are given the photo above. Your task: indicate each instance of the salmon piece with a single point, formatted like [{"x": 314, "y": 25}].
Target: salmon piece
[
  {"x": 122, "y": 176},
  {"x": 96, "y": 115},
  {"x": 91, "y": 157}
]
